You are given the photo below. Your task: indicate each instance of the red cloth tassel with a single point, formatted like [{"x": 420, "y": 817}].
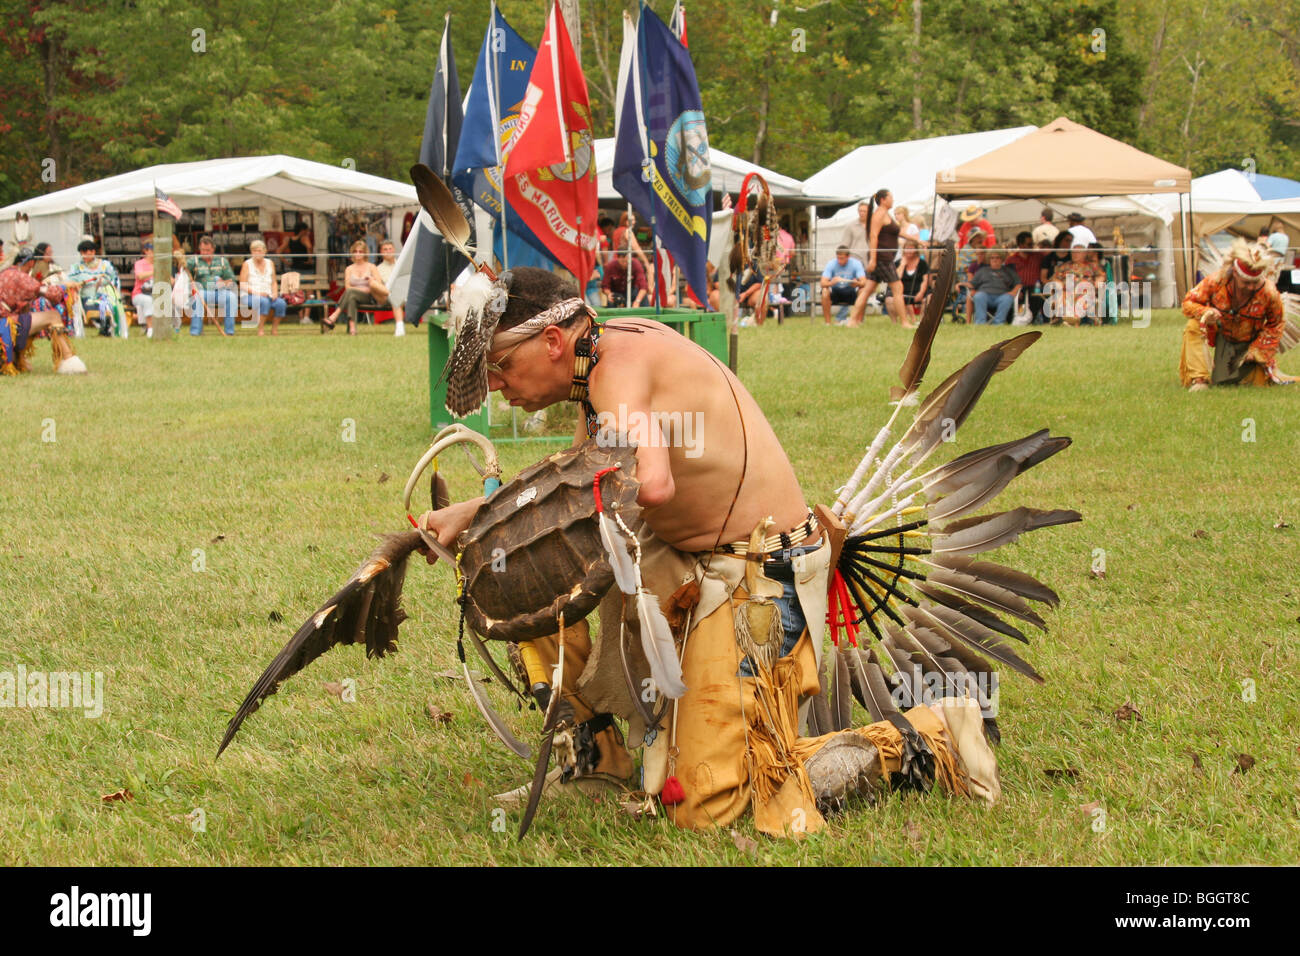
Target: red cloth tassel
[
  {"x": 841, "y": 611},
  {"x": 672, "y": 792}
]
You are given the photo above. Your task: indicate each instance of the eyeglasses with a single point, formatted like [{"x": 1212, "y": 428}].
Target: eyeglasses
[{"x": 498, "y": 367}]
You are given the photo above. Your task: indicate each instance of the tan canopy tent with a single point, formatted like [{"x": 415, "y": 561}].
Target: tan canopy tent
[{"x": 1063, "y": 159}]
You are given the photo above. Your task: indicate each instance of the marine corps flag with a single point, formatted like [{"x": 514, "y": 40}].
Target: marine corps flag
[
  {"x": 434, "y": 263},
  {"x": 661, "y": 153},
  {"x": 491, "y": 114},
  {"x": 550, "y": 162}
]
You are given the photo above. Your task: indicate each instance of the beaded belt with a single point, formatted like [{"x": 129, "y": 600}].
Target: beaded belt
[{"x": 773, "y": 542}]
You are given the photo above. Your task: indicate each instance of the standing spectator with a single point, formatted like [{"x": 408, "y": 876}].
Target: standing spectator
[
  {"x": 1028, "y": 263},
  {"x": 621, "y": 278},
  {"x": 387, "y": 263},
  {"x": 625, "y": 239},
  {"x": 98, "y": 287},
  {"x": 1045, "y": 230},
  {"x": 362, "y": 286},
  {"x": 973, "y": 226},
  {"x": 1279, "y": 243},
  {"x": 258, "y": 286},
  {"x": 301, "y": 247},
  {"x": 1078, "y": 230},
  {"x": 855, "y": 236},
  {"x": 843, "y": 282},
  {"x": 213, "y": 282},
  {"x": 914, "y": 273},
  {"x": 996, "y": 284},
  {"x": 142, "y": 291},
  {"x": 883, "y": 243}
]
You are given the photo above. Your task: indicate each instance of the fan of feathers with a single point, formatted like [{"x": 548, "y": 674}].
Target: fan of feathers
[{"x": 914, "y": 612}]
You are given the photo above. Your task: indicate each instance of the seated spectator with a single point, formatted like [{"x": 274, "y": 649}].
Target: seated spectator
[
  {"x": 387, "y": 264},
  {"x": 46, "y": 271},
  {"x": 213, "y": 282},
  {"x": 843, "y": 282},
  {"x": 1057, "y": 257},
  {"x": 914, "y": 273},
  {"x": 362, "y": 286},
  {"x": 996, "y": 284},
  {"x": 96, "y": 283},
  {"x": 1027, "y": 261},
  {"x": 257, "y": 286},
  {"x": 970, "y": 260},
  {"x": 1075, "y": 289},
  {"x": 616, "y": 283}
]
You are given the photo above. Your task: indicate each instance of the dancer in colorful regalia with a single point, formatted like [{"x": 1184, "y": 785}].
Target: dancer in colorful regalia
[{"x": 20, "y": 324}]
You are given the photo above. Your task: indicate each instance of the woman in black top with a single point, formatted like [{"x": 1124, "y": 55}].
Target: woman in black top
[
  {"x": 914, "y": 274},
  {"x": 300, "y": 249},
  {"x": 1059, "y": 256}
]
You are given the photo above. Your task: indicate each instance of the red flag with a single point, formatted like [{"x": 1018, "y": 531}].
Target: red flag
[{"x": 550, "y": 176}]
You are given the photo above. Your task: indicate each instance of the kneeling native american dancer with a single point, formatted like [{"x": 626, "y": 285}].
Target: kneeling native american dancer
[
  {"x": 20, "y": 325},
  {"x": 712, "y": 558},
  {"x": 1237, "y": 321}
]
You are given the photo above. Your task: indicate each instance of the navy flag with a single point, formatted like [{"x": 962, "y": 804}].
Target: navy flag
[
  {"x": 435, "y": 263},
  {"x": 661, "y": 153},
  {"x": 505, "y": 62}
]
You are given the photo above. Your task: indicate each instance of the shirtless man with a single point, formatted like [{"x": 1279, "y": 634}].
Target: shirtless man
[{"x": 727, "y": 492}]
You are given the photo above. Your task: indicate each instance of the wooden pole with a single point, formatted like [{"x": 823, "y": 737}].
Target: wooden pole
[
  {"x": 162, "y": 273},
  {"x": 572, "y": 14}
]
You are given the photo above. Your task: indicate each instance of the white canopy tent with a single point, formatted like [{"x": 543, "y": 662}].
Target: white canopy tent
[
  {"x": 271, "y": 182},
  {"x": 907, "y": 170},
  {"x": 1228, "y": 201},
  {"x": 910, "y": 170}
]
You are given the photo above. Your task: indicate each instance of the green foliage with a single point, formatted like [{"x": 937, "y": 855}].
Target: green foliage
[{"x": 104, "y": 88}]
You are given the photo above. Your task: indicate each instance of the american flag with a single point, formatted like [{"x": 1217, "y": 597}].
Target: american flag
[{"x": 163, "y": 203}]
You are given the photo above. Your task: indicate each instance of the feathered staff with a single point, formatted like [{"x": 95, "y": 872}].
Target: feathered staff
[{"x": 905, "y": 571}]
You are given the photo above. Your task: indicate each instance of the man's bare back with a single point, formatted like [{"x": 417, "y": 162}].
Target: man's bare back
[{"x": 694, "y": 406}]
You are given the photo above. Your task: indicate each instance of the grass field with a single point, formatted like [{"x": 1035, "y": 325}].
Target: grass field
[{"x": 198, "y": 501}]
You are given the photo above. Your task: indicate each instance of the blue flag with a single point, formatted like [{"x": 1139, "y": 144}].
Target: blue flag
[
  {"x": 435, "y": 263},
  {"x": 495, "y": 97},
  {"x": 661, "y": 153}
]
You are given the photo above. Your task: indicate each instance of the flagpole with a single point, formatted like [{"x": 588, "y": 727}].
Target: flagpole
[
  {"x": 569, "y": 158},
  {"x": 650, "y": 165},
  {"x": 445, "y": 172},
  {"x": 494, "y": 106}
]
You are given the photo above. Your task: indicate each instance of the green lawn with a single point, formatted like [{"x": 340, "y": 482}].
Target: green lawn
[{"x": 235, "y": 448}]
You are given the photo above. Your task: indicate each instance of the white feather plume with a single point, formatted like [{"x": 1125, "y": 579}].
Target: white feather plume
[
  {"x": 657, "y": 643},
  {"x": 617, "y": 553},
  {"x": 471, "y": 299}
]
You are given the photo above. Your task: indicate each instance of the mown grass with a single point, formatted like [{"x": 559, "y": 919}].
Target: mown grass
[{"x": 235, "y": 448}]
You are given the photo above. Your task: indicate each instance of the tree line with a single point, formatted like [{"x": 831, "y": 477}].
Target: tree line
[{"x": 93, "y": 89}]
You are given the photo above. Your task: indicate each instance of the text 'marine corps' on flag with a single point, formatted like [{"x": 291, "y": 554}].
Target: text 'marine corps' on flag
[
  {"x": 491, "y": 114},
  {"x": 550, "y": 164},
  {"x": 435, "y": 263},
  {"x": 163, "y": 203},
  {"x": 661, "y": 153}
]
